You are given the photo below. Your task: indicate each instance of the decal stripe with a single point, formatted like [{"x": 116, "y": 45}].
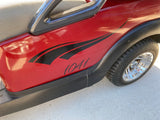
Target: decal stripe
[
  {"x": 73, "y": 52},
  {"x": 49, "y": 57},
  {"x": 35, "y": 57},
  {"x": 38, "y": 55},
  {"x": 66, "y": 52}
]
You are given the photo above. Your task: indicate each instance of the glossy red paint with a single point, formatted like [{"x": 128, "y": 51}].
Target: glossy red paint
[{"x": 19, "y": 74}]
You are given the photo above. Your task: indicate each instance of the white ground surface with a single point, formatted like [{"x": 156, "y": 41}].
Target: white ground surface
[{"x": 103, "y": 101}]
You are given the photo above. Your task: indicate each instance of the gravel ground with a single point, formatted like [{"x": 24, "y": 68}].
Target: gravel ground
[{"x": 103, "y": 101}]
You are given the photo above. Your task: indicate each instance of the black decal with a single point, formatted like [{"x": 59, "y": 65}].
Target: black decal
[
  {"x": 66, "y": 52},
  {"x": 49, "y": 57},
  {"x": 66, "y": 69},
  {"x": 80, "y": 65},
  {"x": 76, "y": 66},
  {"x": 85, "y": 63},
  {"x": 77, "y": 50},
  {"x": 72, "y": 67},
  {"x": 35, "y": 57}
]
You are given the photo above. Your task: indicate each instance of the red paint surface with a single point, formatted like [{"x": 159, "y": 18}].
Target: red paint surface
[
  {"x": 88, "y": 1},
  {"x": 19, "y": 74}
]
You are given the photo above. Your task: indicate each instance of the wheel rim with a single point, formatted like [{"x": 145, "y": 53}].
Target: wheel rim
[{"x": 138, "y": 67}]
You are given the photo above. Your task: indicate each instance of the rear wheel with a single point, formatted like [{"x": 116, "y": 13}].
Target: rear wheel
[{"x": 134, "y": 63}]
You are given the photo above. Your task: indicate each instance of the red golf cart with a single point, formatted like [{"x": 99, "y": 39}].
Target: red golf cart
[{"x": 49, "y": 48}]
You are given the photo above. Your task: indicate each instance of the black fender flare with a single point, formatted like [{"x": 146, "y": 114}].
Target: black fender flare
[{"x": 137, "y": 34}]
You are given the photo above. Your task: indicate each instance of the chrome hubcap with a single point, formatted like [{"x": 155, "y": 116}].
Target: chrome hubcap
[{"x": 138, "y": 67}]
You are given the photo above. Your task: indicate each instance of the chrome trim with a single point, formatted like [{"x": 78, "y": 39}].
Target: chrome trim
[{"x": 138, "y": 67}]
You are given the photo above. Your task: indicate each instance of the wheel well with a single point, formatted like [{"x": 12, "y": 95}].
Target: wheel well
[{"x": 141, "y": 32}]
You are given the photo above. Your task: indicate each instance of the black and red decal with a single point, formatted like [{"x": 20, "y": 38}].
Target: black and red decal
[{"x": 67, "y": 50}]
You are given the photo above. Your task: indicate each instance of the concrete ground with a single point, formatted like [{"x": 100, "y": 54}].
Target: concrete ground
[{"x": 103, "y": 101}]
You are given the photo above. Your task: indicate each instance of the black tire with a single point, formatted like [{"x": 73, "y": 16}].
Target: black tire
[{"x": 116, "y": 72}]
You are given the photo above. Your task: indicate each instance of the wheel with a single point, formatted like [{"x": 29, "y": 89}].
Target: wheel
[{"x": 134, "y": 63}]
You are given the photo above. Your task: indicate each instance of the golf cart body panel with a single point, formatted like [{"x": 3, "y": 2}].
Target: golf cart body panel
[{"x": 73, "y": 56}]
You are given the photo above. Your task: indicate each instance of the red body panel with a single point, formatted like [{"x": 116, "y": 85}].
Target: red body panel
[{"x": 19, "y": 74}]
